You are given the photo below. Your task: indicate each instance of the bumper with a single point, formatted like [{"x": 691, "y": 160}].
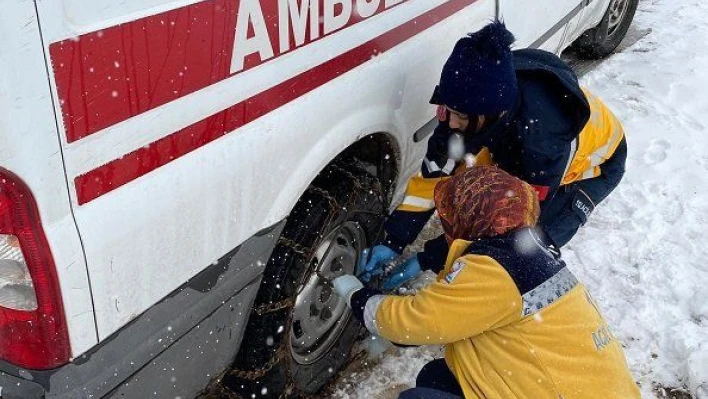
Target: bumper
[
  {"x": 172, "y": 350},
  {"x": 18, "y": 388}
]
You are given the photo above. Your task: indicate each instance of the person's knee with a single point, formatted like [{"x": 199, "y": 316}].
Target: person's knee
[
  {"x": 426, "y": 393},
  {"x": 437, "y": 376},
  {"x": 413, "y": 393},
  {"x": 430, "y": 373}
]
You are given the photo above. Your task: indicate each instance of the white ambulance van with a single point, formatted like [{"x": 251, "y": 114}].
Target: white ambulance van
[{"x": 179, "y": 178}]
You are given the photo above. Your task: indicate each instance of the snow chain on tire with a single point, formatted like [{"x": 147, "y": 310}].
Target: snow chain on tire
[{"x": 282, "y": 353}]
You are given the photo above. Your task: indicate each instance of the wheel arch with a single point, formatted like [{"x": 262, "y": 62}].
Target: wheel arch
[{"x": 379, "y": 151}]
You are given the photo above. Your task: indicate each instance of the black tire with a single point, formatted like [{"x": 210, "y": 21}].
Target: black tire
[
  {"x": 601, "y": 41},
  {"x": 341, "y": 199}
]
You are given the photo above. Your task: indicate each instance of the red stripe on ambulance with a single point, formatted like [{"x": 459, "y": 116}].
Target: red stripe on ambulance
[
  {"x": 109, "y": 76},
  {"x": 116, "y": 173}
]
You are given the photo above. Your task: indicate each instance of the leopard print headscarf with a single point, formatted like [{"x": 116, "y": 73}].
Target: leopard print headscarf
[{"x": 485, "y": 201}]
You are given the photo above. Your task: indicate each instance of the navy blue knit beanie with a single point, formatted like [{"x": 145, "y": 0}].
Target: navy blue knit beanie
[{"x": 479, "y": 76}]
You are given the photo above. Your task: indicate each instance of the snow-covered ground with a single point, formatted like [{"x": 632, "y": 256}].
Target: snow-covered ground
[{"x": 644, "y": 252}]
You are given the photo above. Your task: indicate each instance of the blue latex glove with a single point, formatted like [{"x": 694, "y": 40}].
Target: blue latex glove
[
  {"x": 406, "y": 271},
  {"x": 345, "y": 286},
  {"x": 373, "y": 260}
]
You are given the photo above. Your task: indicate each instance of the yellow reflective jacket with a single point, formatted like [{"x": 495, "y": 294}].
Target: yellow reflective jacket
[
  {"x": 515, "y": 324},
  {"x": 595, "y": 144}
]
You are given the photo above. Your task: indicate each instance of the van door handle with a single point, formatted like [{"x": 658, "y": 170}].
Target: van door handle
[{"x": 425, "y": 131}]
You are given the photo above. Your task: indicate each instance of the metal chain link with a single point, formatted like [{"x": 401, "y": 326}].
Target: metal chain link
[
  {"x": 274, "y": 306},
  {"x": 333, "y": 203},
  {"x": 289, "y": 389},
  {"x": 351, "y": 176},
  {"x": 253, "y": 375},
  {"x": 306, "y": 252},
  {"x": 375, "y": 187}
]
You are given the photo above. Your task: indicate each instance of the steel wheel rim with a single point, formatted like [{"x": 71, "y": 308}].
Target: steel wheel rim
[
  {"x": 319, "y": 316},
  {"x": 618, "y": 11}
]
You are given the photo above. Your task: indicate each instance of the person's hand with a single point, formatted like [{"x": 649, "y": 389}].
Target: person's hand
[
  {"x": 373, "y": 260},
  {"x": 406, "y": 271},
  {"x": 345, "y": 286}
]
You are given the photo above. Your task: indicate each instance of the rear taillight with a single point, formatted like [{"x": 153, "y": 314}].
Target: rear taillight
[{"x": 33, "y": 331}]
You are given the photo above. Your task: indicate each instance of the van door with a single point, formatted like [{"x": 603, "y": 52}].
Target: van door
[
  {"x": 151, "y": 177},
  {"x": 539, "y": 23}
]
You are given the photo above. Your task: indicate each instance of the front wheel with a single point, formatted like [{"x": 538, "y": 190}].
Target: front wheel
[
  {"x": 602, "y": 40},
  {"x": 301, "y": 333}
]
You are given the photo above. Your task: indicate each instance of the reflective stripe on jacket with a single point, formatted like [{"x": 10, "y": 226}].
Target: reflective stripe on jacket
[{"x": 596, "y": 142}]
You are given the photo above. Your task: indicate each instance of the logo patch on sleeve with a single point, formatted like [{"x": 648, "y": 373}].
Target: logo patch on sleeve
[{"x": 454, "y": 271}]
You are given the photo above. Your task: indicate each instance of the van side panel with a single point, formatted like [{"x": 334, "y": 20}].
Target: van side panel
[
  {"x": 187, "y": 203},
  {"x": 539, "y": 23},
  {"x": 29, "y": 148}
]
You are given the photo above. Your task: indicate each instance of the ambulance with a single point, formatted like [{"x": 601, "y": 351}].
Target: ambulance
[{"x": 180, "y": 179}]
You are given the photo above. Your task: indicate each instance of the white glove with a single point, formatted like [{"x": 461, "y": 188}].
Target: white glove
[
  {"x": 346, "y": 286},
  {"x": 376, "y": 346}
]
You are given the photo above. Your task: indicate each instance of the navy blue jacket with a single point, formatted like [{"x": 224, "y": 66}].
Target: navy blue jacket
[{"x": 531, "y": 142}]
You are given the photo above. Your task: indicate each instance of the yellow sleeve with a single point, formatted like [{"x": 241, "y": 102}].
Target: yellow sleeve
[
  {"x": 475, "y": 295},
  {"x": 419, "y": 194},
  {"x": 603, "y": 124},
  {"x": 597, "y": 142},
  {"x": 421, "y": 190}
]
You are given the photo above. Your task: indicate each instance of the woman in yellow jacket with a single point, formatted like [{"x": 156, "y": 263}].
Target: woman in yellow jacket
[{"x": 515, "y": 320}]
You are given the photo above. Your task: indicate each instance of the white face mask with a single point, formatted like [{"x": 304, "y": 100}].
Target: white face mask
[{"x": 456, "y": 147}]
